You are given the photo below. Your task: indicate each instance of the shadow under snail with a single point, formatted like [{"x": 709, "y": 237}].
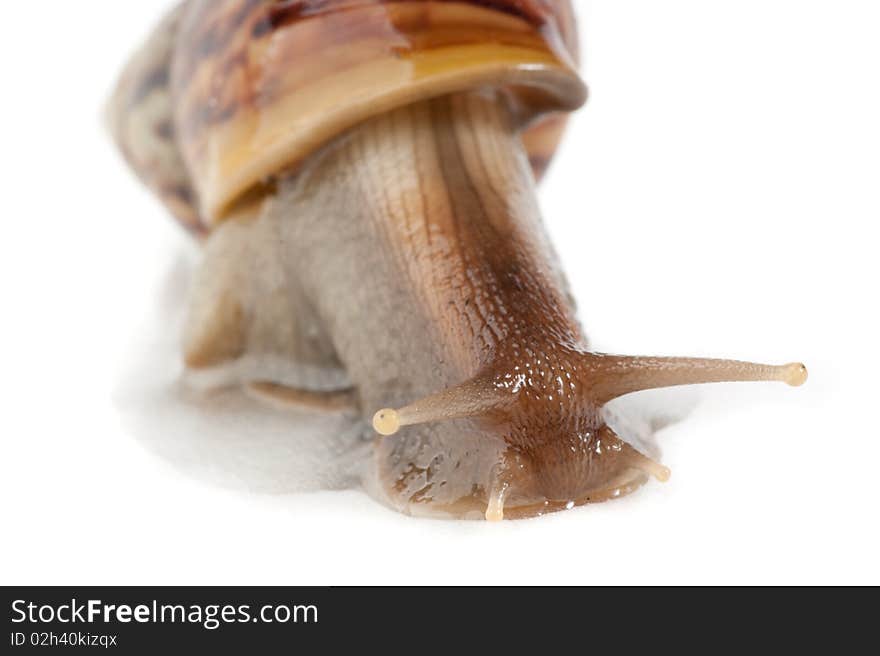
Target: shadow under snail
[{"x": 362, "y": 175}]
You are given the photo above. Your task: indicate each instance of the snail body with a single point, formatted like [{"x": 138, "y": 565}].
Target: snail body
[{"x": 373, "y": 242}]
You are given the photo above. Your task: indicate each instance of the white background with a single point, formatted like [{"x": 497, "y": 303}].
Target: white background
[{"x": 718, "y": 196}]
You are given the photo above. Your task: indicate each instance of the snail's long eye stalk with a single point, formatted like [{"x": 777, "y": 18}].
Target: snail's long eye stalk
[
  {"x": 616, "y": 375},
  {"x": 599, "y": 379},
  {"x": 470, "y": 399}
]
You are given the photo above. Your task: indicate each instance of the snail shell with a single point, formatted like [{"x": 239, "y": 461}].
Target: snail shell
[
  {"x": 363, "y": 173},
  {"x": 228, "y": 94}
]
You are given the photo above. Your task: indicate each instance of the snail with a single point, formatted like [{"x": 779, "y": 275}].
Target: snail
[{"x": 362, "y": 176}]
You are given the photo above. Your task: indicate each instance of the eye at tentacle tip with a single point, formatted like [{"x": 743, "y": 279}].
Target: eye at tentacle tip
[
  {"x": 795, "y": 373},
  {"x": 386, "y": 422}
]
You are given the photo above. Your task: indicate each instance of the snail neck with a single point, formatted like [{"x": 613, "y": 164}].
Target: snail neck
[{"x": 419, "y": 240}]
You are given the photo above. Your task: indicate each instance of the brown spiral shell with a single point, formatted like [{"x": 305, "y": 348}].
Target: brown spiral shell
[{"x": 256, "y": 86}]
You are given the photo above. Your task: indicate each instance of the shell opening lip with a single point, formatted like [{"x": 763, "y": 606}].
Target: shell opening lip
[{"x": 227, "y": 188}]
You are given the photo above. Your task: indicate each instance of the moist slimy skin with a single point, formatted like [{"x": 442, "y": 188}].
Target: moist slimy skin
[{"x": 373, "y": 245}]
